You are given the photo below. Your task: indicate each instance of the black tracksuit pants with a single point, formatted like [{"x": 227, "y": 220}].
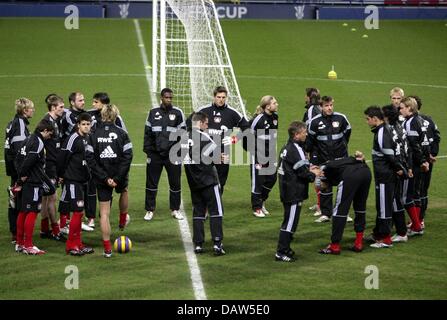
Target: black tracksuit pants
[
  {"x": 384, "y": 207},
  {"x": 208, "y": 198},
  {"x": 354, "y": 190},
  {"x": 326, "y": 201},
  {"x": 261, "y": 185},
  {"x": 13, "y": 212},
  {"x": 399, "y": 209},
  {"x": 289, "y": 224},
  {"x": 222, "y": 171},
  {"x": 154, "y": 168},
  {"x": 425, "y": 185}
]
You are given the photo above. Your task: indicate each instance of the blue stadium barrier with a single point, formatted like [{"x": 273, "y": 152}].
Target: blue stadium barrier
[
  {"x": 386, "y": 13},
  {"x": 49, "y": 10},
  {"x": 225, "y": 11},
  {"x": 291, "y": 10}
]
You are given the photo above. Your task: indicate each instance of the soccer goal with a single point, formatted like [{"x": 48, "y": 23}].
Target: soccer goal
[{"x": 189, "y": 54}]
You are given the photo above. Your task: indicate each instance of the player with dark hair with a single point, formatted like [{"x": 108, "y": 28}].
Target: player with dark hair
[
  {"x": 313, "y": 109},
  {"x": 263, "y": 127},
  {"x": 328, "y": 139},
  {"x": 113, "y": 155},
  {"x": 16, "y": 133},
  {"x": 100, "y": 100},
  {"x": 161, "y": 123},
  {"x": 391, "y": 117},
  {"x": 386, "y": 169},
  {"x": 420, "y": 150},
  {"x": 313, "y": 106},
  {"x": 294, "y": 173},
  {"x": 203, "y": 181},
  {"x": 434, "y": 139},
  {"x": 352, "y": 177},
  {"x": 223, "y": 119},
  {"x": 55, "y": 106},
  {"x": 74, "y": 162},
  {"x": 68, "y": 123},
  {"x": 30, "y": 163}
]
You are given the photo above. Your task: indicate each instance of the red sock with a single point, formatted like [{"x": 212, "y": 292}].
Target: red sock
[
  {"x": 63, "y": 219},
  {"x": 20, "y": 228},
  {"x": 55, "y": 228},
  {"x": 30, "y": 221},
  {"x": 79, "y": 216},
  {"x": 107, "y": 245},
  {"x": 358, "y": 240},
  {"x": 74, "y": 236},
  {"x": 387, "y": 239},
  {"x": 414, "y": 216},
  {"x": 44, "y": 225},
  {"x": 123, "y": 216},
  {"x": 335, "y": 247}
]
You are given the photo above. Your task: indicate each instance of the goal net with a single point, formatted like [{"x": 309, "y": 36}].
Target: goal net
[{"x": 190, "y": 55}]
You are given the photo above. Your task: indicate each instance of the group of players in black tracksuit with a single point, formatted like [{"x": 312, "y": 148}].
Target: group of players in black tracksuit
[
  {"x": 405, "y": 146},
  {"x": 65, "y": 149},
  {"x": 90, "y": 155}
]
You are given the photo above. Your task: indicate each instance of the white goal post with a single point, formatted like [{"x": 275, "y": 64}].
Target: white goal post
[{"x": 189, "y": 54}]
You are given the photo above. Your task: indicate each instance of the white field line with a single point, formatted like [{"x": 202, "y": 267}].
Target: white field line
[
  {"x": 147, "y": 68},
  {"x": 71, "y": 75},
  {"x": 196, "y": 278},
  {"x": 403, "y": 84}
]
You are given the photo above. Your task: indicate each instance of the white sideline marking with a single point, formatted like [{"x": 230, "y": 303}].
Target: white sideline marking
[
  {"x": 148, "y": 67},
  {"x": 71, "y": 75},
  {"x": 196, "y": 278},
  {"x": 345, "y": 80}
]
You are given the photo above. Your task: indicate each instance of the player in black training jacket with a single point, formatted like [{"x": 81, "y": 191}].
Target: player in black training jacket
[
  {"x": 203, "y": 181},
  {"x": 386, "y": 169},
  {"x": 113, "y": 155},
  {"x": 313, "y": 105},
  {"x": 419, "y": 146},
  {"x": 222, "y": 121},
  {"x": 313, "y": 109},
  {"x": 391, "y": 117},
  {"x": 16, "y": 133},
  {"x": 70, "y": 116},
  {"x": 162, "y": 123},
  {"x": 352, "y": 177},
  {"x": 55, "y": 106},
  {"x": 264, "y": 132},
  {"x": 434, "y": 139},
  {"x": 68, "y": 124},
  {"x": 73, "y": 166},
  {"x": 295, "y": 173},
  {"x": 30, "y": 164},
  {"x": 328, "y": 139}
]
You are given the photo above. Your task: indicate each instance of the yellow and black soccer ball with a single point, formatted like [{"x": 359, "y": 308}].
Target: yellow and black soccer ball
[{"x": 122, "y": 244}]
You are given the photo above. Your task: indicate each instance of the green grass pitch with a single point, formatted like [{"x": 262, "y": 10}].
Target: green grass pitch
[{"x": 280, "y": 58}]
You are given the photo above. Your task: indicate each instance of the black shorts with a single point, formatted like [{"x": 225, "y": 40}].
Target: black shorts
[
  {"x": 63, "y": 206},
  {"x": 73, "y": 197},
  {"x": 50, "y": 170},
  {"x": 30, "y": 198},
  {"x": 105, "y": 192},
  {"x": 53, "y": 190}
]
